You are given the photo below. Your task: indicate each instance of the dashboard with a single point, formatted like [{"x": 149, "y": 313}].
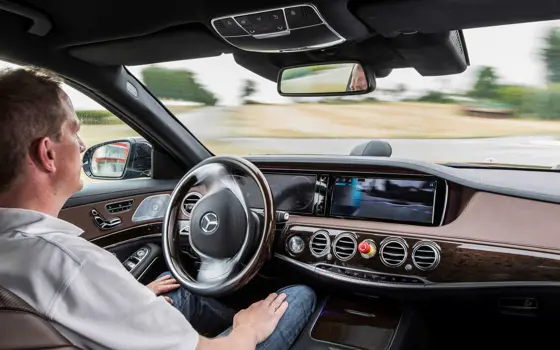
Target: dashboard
[
  {"x": 393, "y": 224},
  {"x": 413, "y": 199}
]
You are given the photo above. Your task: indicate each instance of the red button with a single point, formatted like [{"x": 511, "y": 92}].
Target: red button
[{"x": 364, "y": 247}]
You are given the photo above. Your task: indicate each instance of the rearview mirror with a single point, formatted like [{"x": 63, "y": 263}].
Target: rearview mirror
[{"x": 331, "y": 79}]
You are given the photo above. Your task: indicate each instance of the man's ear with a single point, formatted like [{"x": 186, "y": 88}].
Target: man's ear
[{"x": 44, "y": 155}]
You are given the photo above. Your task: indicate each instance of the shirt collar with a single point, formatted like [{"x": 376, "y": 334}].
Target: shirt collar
[{"x": 34, "y": 223}]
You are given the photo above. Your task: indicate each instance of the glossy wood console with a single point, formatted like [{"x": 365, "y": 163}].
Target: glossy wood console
[{"x": 461, "y": 261}]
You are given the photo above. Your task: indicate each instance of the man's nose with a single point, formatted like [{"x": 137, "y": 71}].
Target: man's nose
[{"x": 82, "y": 146}]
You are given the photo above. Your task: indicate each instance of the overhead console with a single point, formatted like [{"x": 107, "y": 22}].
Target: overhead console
[{"x": 295, "y": 28}]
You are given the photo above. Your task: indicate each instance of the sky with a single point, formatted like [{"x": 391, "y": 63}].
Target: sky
[{"x": 514, "y": 50}]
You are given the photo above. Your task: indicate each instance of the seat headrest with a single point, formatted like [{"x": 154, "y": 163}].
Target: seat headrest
[{"x": 373, "y": 148}]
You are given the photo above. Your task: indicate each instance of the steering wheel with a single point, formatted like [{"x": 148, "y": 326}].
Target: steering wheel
[{"x": 232, "y": 240}]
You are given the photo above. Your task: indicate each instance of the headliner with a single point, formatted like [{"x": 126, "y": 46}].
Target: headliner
[{"x": 107, "y": 32}]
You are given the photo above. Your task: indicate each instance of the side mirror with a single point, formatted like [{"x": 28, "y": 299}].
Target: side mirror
[
  {"x": 119, "y": 159},
  {"x": 326, "y": 79}
]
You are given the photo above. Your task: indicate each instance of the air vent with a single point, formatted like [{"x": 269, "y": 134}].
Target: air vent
[
  {"x": 319, "y": 243},
  {"x": 189, "y": 202},
  {"x": 344, "y": 246},
  {"x": 426, "y": 255},
  {"x": 393, "y": 251}
]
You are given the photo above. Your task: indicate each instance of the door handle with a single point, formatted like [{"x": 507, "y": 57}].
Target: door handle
[{"x": 102, "y": 223}]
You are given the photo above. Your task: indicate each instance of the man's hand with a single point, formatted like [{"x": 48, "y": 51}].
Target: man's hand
[
  {"x": 262, "y": 317},
  {"x": 163, "y": 285}
]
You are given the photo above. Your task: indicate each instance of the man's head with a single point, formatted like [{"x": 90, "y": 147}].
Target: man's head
[
  {"x": 358, "y": 79},
  {"x": 39, "y": 142}
]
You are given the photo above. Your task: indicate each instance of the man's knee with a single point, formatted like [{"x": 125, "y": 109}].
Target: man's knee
[
  {"x": 179, "y": 295},
  {"x": 300, "y": 297}
]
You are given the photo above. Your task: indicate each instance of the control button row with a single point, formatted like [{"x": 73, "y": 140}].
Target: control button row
[
  {"x": 136, "y": 258},
  {"x": 268, "y": 22},
  {"x": 371, "y": 276},
  {"x": 263, "y": 23}
]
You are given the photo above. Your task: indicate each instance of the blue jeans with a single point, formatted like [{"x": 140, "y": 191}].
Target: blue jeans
[{"x": 210, "y": 317}]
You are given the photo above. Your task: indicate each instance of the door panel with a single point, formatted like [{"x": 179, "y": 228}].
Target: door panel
[
  {"x": 107, "y": 190},
  {"x": 82, "y": 216}
]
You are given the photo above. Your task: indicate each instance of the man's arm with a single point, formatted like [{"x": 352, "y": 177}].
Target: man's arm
[
  {"x": 250, "y": 326},
  {"x": 102, "y": 305}
]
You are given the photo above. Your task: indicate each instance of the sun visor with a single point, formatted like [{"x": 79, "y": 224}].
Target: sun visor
[
  {"x": 286, "y": 29},
  {"x": 434, "y": 54},
  {"x": 178, "y": 43}
]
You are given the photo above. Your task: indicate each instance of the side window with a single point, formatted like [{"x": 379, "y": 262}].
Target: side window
[{"x": 113, "y": 160}]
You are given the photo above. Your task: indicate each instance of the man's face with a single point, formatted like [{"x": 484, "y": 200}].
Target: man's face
[
  {"x": 68, "y": 151},
  {"x": 359, "y": 81}
]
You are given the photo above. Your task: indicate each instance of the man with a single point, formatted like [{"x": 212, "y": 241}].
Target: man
[
  {"x": 357, "y": 80},
  {"x": 83, "y": 289}
]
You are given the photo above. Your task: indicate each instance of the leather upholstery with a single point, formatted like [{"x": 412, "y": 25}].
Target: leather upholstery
[{"x": 22, "y": 328}]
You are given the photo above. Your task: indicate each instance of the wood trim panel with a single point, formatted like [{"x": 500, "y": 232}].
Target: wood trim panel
[
  {"x": 484, "y": 218},
  {"x": 460, "y": 261},
  {"x": 128, "y": 234}
]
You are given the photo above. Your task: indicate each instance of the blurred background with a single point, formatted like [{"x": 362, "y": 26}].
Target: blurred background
[{"x": 505, "y": 108}]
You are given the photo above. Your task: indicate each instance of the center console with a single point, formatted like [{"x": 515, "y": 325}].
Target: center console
[{"x": 366, "y": 323}]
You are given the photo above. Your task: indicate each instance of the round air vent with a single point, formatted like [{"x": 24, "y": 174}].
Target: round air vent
[
  {"x": 189, "y": 201},
  {"x": 344, "y": 246},
  {"x": 393, "y": 251},
  {"x": 426, "y": 255},
  {"x": 319, "y": 243}
]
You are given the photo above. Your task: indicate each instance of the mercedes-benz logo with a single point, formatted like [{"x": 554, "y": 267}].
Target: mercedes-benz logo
[{"x": 209, "y": 223}]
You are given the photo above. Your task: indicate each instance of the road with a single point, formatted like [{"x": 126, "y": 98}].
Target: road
[{"x": 208, "y": 124}]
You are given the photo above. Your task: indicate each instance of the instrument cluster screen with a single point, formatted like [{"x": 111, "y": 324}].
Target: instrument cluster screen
[{"x": 292, "y": 192}]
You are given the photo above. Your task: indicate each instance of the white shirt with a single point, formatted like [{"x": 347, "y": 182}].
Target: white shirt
[{"x": 83, "y": 289}]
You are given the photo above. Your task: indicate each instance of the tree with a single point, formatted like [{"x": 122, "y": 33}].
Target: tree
[
  {"x": 401, "y": 89},
  {"x": 176, "y": 84},
  {"x": 248, "y": 89},
  {"x": 551, "y": 55},
  {"x": 514, "y": 95},
  {"x": 435, "y": 97},
  {"x": 486, "y": 85}
]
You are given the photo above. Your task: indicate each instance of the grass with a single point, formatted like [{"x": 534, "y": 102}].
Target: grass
[
  {"x": 376, "y": 120},
  {"x": 94, "y": 134},
  {"x": 181, "y": 109}
]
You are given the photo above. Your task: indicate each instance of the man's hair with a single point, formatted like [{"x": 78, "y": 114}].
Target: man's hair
[{"x": 31, "y": 107}]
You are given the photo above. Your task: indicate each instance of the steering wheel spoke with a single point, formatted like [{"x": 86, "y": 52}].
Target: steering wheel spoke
[
  {"x": 215, "y": 271},
  {"x": 184, "y": 227},
  {"x": 218, "y": 177}
]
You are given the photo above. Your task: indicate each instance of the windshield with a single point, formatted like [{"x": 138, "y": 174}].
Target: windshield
[{"x": 505, "y": 108}]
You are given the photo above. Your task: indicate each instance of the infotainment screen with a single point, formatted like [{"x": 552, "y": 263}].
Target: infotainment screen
[{"x": 385, "y": 198}]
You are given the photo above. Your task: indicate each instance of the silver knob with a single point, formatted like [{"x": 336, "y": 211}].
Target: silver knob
[{"x": 296, "y": 245}]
